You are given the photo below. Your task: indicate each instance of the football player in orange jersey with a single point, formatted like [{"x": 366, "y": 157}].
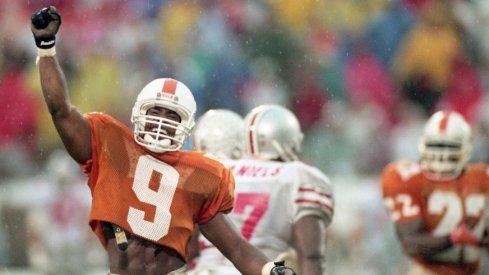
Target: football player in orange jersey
[
  {"x": 439, "y": 204},
  {"x": 147, "y": 194}
]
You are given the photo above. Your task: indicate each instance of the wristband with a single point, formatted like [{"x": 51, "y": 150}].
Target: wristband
[
  {"x": 45, "y": 42},
  {"x": 46, "y": 52},
  {"x": 267, "y": 268}
]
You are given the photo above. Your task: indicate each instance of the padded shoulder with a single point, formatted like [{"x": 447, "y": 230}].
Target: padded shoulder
[{"x": 203, "y": 161}]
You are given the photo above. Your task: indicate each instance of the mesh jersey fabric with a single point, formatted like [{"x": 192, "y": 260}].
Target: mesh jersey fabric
[{"x": 158, "y": 197}]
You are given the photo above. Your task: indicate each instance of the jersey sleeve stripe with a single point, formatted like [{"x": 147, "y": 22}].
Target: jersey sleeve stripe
[
  {"x": 304, "y": 190},
  {"x": 329, "y": 207},
  {"x": 315, "y": 196}
]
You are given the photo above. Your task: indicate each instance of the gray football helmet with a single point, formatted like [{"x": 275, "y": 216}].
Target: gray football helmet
[
  {"x": 445, "y": 146},
  {"x": 220, "y": 132},
  {"x": 273, "y": 132}
]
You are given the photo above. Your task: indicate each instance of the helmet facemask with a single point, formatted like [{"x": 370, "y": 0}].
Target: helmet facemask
[
  {"x": 446, "y": 146},
  {"x": 444, "y": 161},
  {"x": 285, "y": 153}
]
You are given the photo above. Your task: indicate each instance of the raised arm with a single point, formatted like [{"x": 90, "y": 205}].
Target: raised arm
[{"x": 71, "y": 125}]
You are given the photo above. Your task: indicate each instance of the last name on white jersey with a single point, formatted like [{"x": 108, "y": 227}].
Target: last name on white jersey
[
  {"x": 254, "y": 168},
  {"x": 307, "y": 184}
]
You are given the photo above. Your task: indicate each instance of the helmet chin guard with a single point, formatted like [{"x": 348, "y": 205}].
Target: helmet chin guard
[{"x": 170, "y": 94}]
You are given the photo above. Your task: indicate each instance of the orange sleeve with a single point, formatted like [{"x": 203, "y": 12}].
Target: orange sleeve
[
  {"x": 223, "y": 200},
  {"x": 401, "y": 197},
  {"x": 96, "y": 122},
  {"x": 391, "y": 182}
]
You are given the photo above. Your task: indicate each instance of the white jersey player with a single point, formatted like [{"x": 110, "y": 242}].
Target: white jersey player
[{"x": 282, "y": 205}]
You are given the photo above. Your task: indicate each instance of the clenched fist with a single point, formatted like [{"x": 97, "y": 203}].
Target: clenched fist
[{"x": 44, "y": 26}]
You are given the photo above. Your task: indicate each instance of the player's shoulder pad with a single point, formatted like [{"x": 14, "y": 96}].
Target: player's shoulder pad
[
  {"x": 204, "y": 161},
  {"x": 304, "y": 168},
  {"x": 479, "y": 167},
  {"x": 100, "y": 117},
  {"x": 298, "y": 172},
  {"x": 405, "y": 169}
]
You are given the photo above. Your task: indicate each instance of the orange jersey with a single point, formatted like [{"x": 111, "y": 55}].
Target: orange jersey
[
  {"x": 158, "y": 197},
  {"x": 442, "y": 205}
]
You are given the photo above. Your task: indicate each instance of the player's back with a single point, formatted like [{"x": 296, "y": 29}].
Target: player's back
[{"x": 269, "y": 197}]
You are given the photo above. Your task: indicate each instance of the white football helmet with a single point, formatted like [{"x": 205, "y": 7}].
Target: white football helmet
[
  {"x": 273, "y": 132},
  {"x": 221, "y": 133},
  {"x": 170, "y": 94},
  {"x": 445, "y": 146}
]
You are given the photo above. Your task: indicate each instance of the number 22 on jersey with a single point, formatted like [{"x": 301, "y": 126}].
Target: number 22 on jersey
[{"x": 447, "y": 204}]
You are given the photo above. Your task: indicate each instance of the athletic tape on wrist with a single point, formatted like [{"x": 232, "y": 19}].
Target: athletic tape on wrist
[
  {"x": 267, "y": 268},
  {"x": 46, "y": 52}
]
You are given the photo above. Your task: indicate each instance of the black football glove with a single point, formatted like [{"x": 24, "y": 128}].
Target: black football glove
[
  {"x": 281, "y": 269},
  {"x": 44, "y": 26}
]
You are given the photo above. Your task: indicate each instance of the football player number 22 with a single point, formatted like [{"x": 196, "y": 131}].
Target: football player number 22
[
  {"x": 161, "y": 198},
  {"x": 446, "y": 203}
]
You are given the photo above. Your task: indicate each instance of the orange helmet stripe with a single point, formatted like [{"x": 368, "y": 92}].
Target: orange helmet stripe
[
  {"x": 170, "y": 86},
  {"x": 444, "y": 122}
]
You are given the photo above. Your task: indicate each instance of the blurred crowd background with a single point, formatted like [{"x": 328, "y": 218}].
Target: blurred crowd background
[{"x": 361, "y": 75}]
